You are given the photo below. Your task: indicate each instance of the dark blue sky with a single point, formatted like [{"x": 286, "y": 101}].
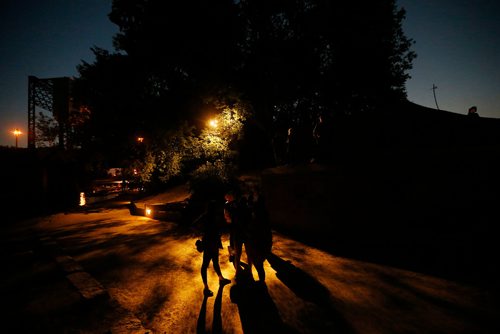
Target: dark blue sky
[
  {"x": 458, "y": 47},
  {"x": 45, "y": 39},
  {"x": 457, "y": 42}
]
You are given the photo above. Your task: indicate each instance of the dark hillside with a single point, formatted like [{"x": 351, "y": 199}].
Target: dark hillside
[{"x": 412, "y": 187}]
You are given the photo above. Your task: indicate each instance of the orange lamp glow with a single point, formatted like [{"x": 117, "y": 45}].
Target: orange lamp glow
[
  {"x": 17, "y": 133},
  {"x": 82, "y": 199},
  {"x": 213, "y": 123}
]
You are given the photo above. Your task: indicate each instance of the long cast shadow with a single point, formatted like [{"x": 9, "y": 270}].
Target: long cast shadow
[
  {"x": 308, "y": 288},
  {"x": 154, "y": 302},
  {"x": 258, "y": 313},
  {"x": 217, "y": 318},
  {"x": 200, "y": 325}
]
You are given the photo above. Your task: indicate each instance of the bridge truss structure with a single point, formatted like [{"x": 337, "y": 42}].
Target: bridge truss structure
[{"x": 53, "y": 95}]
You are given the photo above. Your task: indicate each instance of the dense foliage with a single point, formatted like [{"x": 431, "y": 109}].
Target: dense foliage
[{"x": 280, "y": 63}]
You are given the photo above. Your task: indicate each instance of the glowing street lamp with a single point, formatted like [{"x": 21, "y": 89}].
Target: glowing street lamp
[
  {"x": 17, "y": 133},
  {"x": 213, "y": 123},
  {"x": 140, "y": 139}
]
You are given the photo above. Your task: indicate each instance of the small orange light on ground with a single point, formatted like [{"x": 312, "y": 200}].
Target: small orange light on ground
[
  {"x": 82, "y": 199},
  {"x": 148, "y": 212}
]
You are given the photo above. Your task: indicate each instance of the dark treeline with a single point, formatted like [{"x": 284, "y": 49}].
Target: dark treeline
[{"x": 288, "y": 60}]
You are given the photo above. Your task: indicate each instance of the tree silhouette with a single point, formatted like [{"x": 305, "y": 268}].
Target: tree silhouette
[
  {"x": 288, "y": 60},
  {"x": 303, "y": 56}
]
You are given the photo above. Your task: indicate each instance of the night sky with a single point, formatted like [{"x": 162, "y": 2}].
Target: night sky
[
  {"x": 46, "y": 39},
  {"x": 457, "y": 42},
  {"x": 458, "y": 47}
]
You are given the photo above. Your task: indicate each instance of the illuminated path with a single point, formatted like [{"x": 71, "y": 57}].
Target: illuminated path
[{"x": 153, "y": 269}]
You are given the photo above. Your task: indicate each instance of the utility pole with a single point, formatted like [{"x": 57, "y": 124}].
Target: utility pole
[{"x": 434, "y": 87}]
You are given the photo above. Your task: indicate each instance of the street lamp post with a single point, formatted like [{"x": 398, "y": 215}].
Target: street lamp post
[{"x": 17, "y": 133}]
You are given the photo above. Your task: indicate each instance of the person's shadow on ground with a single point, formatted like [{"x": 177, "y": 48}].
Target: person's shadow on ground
[
  {"x": 217, "y": 318},
  {"x": 258, "y": 313},
  {"x": 308, "y": 288}
]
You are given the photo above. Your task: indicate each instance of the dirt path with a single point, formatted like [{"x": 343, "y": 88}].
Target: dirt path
[{"x": 152, "y": 269}]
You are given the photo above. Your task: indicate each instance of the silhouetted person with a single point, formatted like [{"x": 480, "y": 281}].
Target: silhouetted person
[
  {"x": 229, "y": 215},
  {"x": 321, "y": 139},
  {"x": 212, "y": 221},
  {"x": 291, "y": 146},
  {"x": 259, "y": 238},
  {"x": 473, "y": 112},
  {"x": 239, "y": 230}
]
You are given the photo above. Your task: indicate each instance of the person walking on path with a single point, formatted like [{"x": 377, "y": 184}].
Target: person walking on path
[
  {"x": 239, "y": 228},
  {"x": 230, "y": 207},
  {"x": 259, "y": 238},
  {"x": 211, "y": 222}
]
